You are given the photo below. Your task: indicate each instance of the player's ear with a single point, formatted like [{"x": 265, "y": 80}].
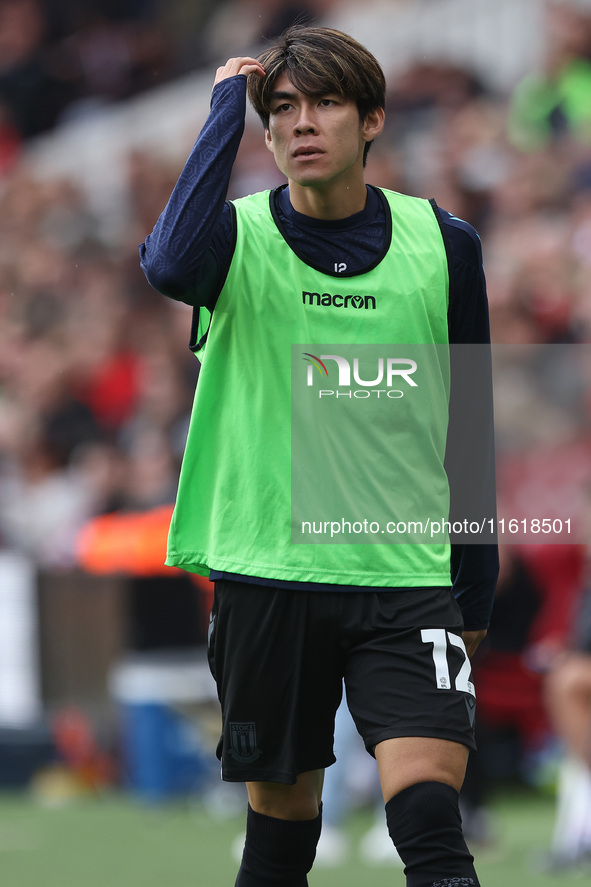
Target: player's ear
[
  {"x": 373, "y": 124},
  {"x": 268, "y": 140}
]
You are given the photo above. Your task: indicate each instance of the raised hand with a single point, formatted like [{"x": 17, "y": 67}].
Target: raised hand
[{"x": 243, "y": 65}]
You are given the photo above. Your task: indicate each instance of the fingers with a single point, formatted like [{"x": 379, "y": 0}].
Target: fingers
[
  {"x": 472, "y": 639},
  {"x": 243, "y": 65}
]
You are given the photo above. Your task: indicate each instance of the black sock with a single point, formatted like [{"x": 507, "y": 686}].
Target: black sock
[
  {"x": 425, "y": 824},
  {"x": 278, "y": 852}
]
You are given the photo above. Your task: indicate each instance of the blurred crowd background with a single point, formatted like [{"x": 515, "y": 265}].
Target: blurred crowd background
[{"x": 96, "y": 379}]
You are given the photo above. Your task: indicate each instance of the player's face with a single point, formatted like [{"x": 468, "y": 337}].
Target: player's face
[{"x": 317, "y": 140}]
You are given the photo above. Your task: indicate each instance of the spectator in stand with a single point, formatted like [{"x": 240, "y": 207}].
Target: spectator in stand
[
  {"x": 569, "y": 706},
  {"x": 554, "y": 102},
  {"x": 568, "y": 697},
  {"x": 30, "y": 88}
]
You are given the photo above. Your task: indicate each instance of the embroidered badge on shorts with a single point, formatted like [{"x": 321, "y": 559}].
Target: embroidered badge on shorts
[{"x": 243, "y": 742}]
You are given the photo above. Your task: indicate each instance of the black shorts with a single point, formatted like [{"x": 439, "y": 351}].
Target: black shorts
[{"x": 279, "y": 658}]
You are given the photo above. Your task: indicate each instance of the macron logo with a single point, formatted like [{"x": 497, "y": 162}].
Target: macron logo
[{"x": 338, "y": 301}]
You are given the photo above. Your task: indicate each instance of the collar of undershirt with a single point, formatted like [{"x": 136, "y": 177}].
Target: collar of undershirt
[
  {"x": 376, "y": 211},
  {"x": 367, "y": 214}
]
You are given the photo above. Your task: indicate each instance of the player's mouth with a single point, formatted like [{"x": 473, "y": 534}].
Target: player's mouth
[{"x": 307, "y": 152}]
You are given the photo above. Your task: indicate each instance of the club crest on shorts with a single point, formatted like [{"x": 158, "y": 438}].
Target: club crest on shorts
[{"x": 243, "y": 742}]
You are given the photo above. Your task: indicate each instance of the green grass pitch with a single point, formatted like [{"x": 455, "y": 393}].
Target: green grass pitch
[{"x": 112, "y": 841}]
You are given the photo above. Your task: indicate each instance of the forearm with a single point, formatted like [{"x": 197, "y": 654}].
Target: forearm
[
  {"x": 470, "y": 455},
  {"x": 474, "y": 573},
  {"x": 175, "y": 256}
]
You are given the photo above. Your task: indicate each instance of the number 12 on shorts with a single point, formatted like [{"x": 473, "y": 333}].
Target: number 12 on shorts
[{"x": 440, "y": 638}]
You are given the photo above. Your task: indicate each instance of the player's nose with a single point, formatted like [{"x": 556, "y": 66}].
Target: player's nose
[{"x": 305, "y": 121}]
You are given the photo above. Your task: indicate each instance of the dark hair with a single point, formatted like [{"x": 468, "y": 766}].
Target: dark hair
[{"x": 319, "y": 61}]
